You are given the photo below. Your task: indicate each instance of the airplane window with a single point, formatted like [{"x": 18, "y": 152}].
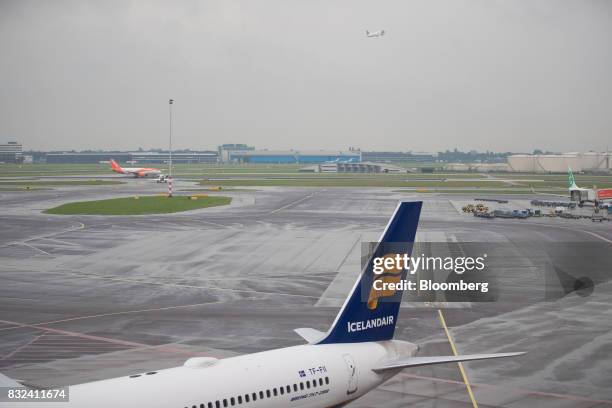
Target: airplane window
[
  {"x": 217, "y": 404},
  {"x": 134, "y": 375},
  {"x": 288, "y": 389},
  {"x": 326, "y": 380},
  {"x": 294, "y": 387},
  {"x": 232, "y": 401},
  {"x": 210, "y": 405},
  {"x": 320, "y": 381},
  {"x": 225, "y": 403},
  {"x": 240, "y": 399},
  {"x": 202, "y": 406},
  {"x": 254, "y": 397},
  {"x": 261, "y": 395},
  {"x": 281, "y": 389},
  {"x": 268, "y": 393},
  {"x": 246, "y": 397},
  {"x": 301, "y": 386},
  {"x": 308, "y": 384},
  {"x": 314, "y": 382}
]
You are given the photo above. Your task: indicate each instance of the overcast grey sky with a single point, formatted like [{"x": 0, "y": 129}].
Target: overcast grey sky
[{"x": 473, "y": 74}]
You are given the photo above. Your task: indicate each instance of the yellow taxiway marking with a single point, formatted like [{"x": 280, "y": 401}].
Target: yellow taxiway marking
[{"x": 463, "y": 374}]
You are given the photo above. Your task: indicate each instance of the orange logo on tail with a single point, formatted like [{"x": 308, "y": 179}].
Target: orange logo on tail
[{"x": 390, "y": 276}]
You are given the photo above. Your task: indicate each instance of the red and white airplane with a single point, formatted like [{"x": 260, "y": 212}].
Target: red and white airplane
[{"x": 135, "y": 171}]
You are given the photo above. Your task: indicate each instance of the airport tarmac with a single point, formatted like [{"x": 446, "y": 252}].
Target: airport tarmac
[{"x": 91, "y": 297}]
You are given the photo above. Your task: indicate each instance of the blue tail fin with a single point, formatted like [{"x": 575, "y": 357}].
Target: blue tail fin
[{"x": 367, "y": 314}]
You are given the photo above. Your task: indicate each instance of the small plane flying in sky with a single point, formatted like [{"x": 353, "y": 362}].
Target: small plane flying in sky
[
  {"x": 375, "y": 34},
  {"x": 354, "y": 356},
  {"x": 135, "y": 171}
]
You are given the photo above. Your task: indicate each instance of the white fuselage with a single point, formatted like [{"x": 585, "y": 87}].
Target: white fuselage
[
  {"x": 141, "y": 171},
  {"x": 307, "y": 376}
]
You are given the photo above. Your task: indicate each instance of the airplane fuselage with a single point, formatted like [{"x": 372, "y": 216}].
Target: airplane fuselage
[
  {"x": 139, "y": 171},
  {"x": 306, "y": 376}
]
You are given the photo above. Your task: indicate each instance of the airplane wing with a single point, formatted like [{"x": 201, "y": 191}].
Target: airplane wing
[{"x": 405, "y": 362}]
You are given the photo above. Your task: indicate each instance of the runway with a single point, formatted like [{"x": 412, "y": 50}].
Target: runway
[{"x": 90, "y": 297}]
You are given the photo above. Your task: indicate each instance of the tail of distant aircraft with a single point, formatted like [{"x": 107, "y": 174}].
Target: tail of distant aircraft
[
  {"x": 571, "y": 182},
  {"x": 116, "y": 168},
  {"x": 368, "y": 314}
]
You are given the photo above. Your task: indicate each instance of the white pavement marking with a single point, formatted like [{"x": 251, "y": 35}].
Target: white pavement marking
[
  {"x": 24, "y": 241},
  {"x": 100, "y": 338},
  {"x": 293, "y": 203},
  {"x": 32, "y": 247},
  {"x": 181, "y": 285},
  {"x": 597, "y": 236},
  {"x": 157, "y": 309}
]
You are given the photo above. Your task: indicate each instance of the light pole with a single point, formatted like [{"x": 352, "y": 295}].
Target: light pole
[{"x": 170, "y": 103}]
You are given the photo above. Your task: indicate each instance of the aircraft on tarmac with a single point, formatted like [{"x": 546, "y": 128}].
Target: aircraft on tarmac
[
  {"x": 375, "y": 34},
  {"x": 135, "y": 171},
  {"x": 583, "y": 195},
  {"x": 354, "y": 356},
  {"x": 593, "y": 195}
]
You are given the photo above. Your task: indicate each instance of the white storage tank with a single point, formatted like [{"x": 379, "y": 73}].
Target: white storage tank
[
  {"x": 550, "y": 163},
  {"x": 521, "y": 163},
  {"x": 596, "y": 161},
  {"x": 573, "y": 161},
  {"x": 559, "y": 163}
]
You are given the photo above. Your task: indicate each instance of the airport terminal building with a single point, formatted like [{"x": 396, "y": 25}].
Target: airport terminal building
[
  {"x": 400, "y": 157},
  {"x": 288, "y": 156},
  {"x": 136, "y": 157},
  {"x": 228, "y": 153}
]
